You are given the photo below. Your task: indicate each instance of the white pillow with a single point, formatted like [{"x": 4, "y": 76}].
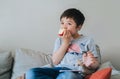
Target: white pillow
[
  {"x": 117, "y": 76},
  {"x": 109, "y": 64},
  {"x": 26, "y": 59}
]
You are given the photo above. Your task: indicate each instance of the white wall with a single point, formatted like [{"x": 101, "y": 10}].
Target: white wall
[{"x": 34, "y": 24}]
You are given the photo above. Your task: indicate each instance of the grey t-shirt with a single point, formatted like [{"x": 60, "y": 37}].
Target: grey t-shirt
[{"x": 75, "y": 51}]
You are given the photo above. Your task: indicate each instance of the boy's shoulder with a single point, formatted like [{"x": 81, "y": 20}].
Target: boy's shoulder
[{"x": 85, "y": 37}]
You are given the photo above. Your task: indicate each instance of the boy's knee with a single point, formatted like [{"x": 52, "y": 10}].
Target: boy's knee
[
  {"x": 31, "y": 73},
  {"x": 66, "y": 75}
]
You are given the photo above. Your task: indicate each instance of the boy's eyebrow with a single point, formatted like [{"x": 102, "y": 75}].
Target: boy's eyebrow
[
  {"x": 70, "y": 20},
  {"x": 67, "y": 21}
]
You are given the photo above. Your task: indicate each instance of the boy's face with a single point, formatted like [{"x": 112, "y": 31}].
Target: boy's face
[{"x": 70, "y": 25}]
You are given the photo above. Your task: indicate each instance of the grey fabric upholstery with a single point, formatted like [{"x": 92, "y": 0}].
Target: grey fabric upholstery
[{"x": 5, "y": 65}]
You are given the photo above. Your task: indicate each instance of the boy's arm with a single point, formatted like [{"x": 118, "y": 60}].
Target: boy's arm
[{"x": 59, "y": 54}]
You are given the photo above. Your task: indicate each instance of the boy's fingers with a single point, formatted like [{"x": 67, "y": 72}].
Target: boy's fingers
[
  {"x": 64, "y": 32},
  {"x": 90, "y": 54},
  {"x": 85, "y": 55}
]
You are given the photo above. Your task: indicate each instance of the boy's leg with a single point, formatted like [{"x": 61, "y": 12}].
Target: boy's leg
[
  {"x": 69, "y": 75},
  {"x": 42, "y": 73}
]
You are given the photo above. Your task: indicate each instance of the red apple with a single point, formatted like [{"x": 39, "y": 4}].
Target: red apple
[{"x": 61, "y": 31}]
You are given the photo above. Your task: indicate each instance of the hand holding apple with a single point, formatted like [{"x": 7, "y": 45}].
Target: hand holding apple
[
  {"x": 88, "y": 59},
  {"x": 65, "y": 35}
]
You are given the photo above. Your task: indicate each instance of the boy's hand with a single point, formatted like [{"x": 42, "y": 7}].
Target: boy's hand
[
  {"x": 66, "y": 36},
  {"x": 88, "y": 59}
]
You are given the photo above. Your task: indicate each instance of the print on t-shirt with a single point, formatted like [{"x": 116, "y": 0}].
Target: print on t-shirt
[{"x": 74, "y": 48}]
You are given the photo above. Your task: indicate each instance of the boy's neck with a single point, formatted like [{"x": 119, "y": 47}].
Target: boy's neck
[{"x": 76, "y": 36}]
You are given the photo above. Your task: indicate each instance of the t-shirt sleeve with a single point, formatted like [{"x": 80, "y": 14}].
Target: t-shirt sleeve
[
  {"x": 57, "y": 44},
  {"x": 92, "y": 47}
]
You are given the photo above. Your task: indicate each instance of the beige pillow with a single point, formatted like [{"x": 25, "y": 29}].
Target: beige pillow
[
  {"x": 5, "y": 64},
  {"x": 117, "y": 76},
  {"x": 108, "y": 64},
  {"x": 26, "y": 59}
]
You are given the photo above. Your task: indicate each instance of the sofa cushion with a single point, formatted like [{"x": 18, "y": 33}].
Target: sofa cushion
[
  {"x": 26, "y": 59},
  {"x": 109, "y": 64},
  {"x": 5, "y": 64},
  {"x": 115, "y": 74},
  {"x": 100, "y": 74}
]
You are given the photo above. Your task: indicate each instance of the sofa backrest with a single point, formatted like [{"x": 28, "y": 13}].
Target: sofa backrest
[
  {"x": 25, "y": 59},
  {"x": 6, "y": 61}
]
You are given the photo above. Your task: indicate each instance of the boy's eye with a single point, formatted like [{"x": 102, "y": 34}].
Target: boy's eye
[
  {"x": 69, "y": 24},
  {"x": 62, "y": 23}
]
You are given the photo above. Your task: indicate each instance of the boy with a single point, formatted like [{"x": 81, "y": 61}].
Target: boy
[{"x": 72, "y": 51}]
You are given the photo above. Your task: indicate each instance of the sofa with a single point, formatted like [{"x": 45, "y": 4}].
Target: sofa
[{"x": 14, "y": 64}]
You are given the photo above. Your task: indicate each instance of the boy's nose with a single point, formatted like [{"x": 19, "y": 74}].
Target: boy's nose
[{"x": 65, "y": 27}]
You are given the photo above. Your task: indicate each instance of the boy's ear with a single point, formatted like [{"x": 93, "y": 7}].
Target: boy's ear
[{"x": 79, "y": 27}]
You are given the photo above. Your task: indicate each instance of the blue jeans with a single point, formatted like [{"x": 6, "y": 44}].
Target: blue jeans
[{"x": 51, "y": 73}]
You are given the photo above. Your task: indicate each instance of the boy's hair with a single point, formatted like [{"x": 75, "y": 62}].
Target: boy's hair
[{"x": 75, "y": 14}]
